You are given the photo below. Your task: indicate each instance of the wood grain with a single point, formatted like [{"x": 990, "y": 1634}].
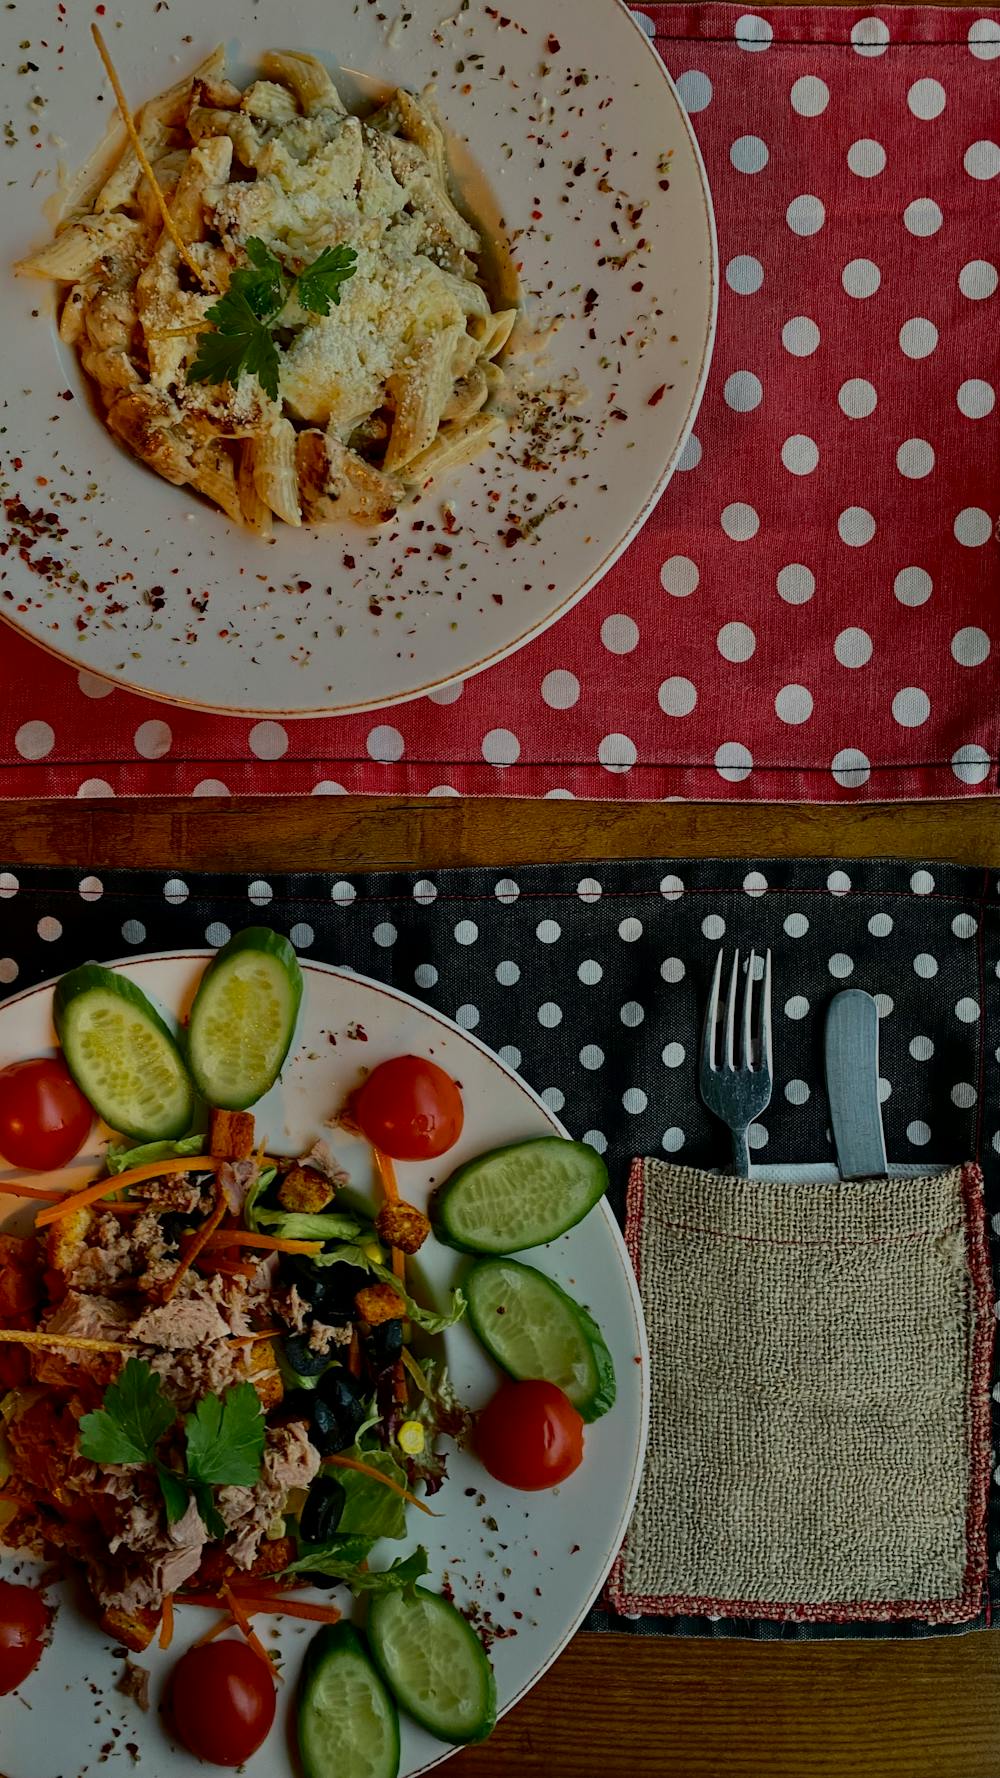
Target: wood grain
[{"x": 617, "y": 1706}]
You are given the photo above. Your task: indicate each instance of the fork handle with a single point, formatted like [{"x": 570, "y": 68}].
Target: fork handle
[{"x": 741, "y": 1154}]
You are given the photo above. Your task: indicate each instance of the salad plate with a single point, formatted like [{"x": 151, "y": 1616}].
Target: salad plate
[
  {"x": 523, "y": 1567},
  {"x": 570, "y": 152}
]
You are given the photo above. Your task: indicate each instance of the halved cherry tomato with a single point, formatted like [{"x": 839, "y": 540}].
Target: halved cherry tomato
[
  {"x": 530, "y": 1435},
  {"x": 410, "y": 1109},
  {"x": 44, "y": 1118},
  {"x": 222, "y": 1697},
  {"x": 24, "y": 1619}
]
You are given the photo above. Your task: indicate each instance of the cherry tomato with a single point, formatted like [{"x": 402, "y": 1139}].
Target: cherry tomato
[
  {"x": 410, "y": 1109},
  {"x": 24, "y": 1618},
  {"x": 530, "y": 1435},
  {"x": 44, "y": 1118},
  {"x": 223, "y": 1702}
]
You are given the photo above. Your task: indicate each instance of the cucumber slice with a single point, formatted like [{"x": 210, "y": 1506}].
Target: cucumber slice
[
  {"x": 435, "y": 1664},
  {"x": 347, "y": 1723},
  {"x": 243, "y": 1018},
  {"x": 519, "y": 1196},
  {"x": 534, "y": 1329},
  {"x": 122, "y": 1056}
]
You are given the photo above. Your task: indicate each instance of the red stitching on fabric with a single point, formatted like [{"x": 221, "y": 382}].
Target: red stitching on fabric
[{"x": 969, "y": 1602}]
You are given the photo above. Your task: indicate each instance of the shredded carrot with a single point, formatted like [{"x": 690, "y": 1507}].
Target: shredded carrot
[
  {"x": 19, "y": 1338},
  {"x": 341, "y": 1462},
  {"x": 229, "y": 1268},
  {"x": 242, "y": 1618},
  {"x": 19, "y": 1189},
  {"x": 219, "y": 1629},
  {"x": 167, "y": 1625},
  {"x": 133, "y": 134},
  {"x": 267, "y": 1243},
  {"x": 390, "y": 1192},
  {"x": 354, "y": 1354},
  {"x": 103, "y": 1188},
  {"x": 197, "y": 1242},
  {"x": 317, "y": 1614}
]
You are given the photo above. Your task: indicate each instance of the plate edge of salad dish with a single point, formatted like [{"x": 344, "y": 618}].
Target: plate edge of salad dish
[{"x": 211, "y": 1396}]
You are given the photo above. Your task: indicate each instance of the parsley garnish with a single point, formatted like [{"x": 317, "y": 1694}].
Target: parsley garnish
[
  {"x": 224, "y": 1439},
  {"x": 244, "y": 318}
]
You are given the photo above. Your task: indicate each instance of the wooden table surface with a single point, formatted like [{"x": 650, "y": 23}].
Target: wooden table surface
[{"x": 618, "y": 1706}]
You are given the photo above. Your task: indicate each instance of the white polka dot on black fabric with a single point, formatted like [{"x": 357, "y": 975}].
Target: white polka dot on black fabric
[
  {"x": 509, "y": 1052},
  {"x": 591, "y": 1056},
  {"x": 921, "y": 1049},
  {"x": 175, "y": 891},
  {"x": 49, "y": 928},
  {"x": 671, "y": 888},
  {"x": 630, "y": 929},
  {"x": 589, "y": 890},
  {"x": 508, "y": 974},
  {"x": 550, "y": 1015},
  {"x": 713, "y": 926},
  {"x": 466, "y": 932},
  {"x": 796, "y": 1092},
  {"x": 554, "y": 1098},
  {"x": 506, "y": 891},
  {"x": 925, "y": 965},
  {"x": 590, "y": 972},
  {"x": 548, "y": 932},
  {"x": 964, "y": 926},
  {"x": 632, "y": 1014},
  {"x": 672, "y": 969},
  {"x": 673, "y": 1055},
  {"x": 385, "y": 934},
  {"x": 425, "y": 975},
  {"x": 343, "y": 894},
  {"x": 796, "y": 925},
  {"x": 840, "y": 965},
  {"x": 963, "y": 1094},
  {"x": 8, "y": 970},
  {"x": 796, "y": 1006},
  {"x": 596, "y": 1140},
  {"x": 467, "y": 1016},
  {"x": 424, "y": 892},
  {"x": 918, "y": 1133},
  {"x": 673, "y": 1139},
  {"x": 634, "y": 1100},
  {"x": 260, "y": 893},
  {"x": 967, "y": 1010},
  {"x": 217, "y": 933},
  {"x": 90, "y": 889},
  {"x": 134, "y": 932},
  {"x": 302, "y": 936},
  {"x": 9, "y": 885}
]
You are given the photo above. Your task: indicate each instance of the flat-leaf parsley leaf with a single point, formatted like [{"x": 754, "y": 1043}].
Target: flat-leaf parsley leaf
[
  {"x": 241, "y": 342},
  {"x": 225, "y": 1438},
  {"x": 319, "y": 284},
  {"x": 242, "y": 339},
  {"x": 263, "y": 281},
  {"x": 132, "y": 1419}
]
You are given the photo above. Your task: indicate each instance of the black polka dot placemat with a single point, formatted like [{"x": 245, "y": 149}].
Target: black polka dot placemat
[{"x": 591, "y": 980}]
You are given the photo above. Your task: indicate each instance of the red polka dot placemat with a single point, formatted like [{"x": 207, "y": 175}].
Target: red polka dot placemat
[{"x": 811, "y": 612}]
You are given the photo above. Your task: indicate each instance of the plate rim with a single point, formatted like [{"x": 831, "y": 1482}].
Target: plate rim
[{"x": 612, "y": 1228}]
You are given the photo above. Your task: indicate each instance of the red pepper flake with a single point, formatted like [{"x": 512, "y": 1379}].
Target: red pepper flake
[
  {"x": 618, "y": 413},
  {"x": 374, "y": 607},
  {"x": 536, "y": 215},
  {"x": 41, "y": 481},
  {"x": 349, "y": 562},
  {"x": 637, "y": 286},
  {"x": 553, "y": 45},
  {"x": 100, "y": 11},
  {"x": 664, "y": 184},
  {"x": 512, "y": 536},
  {"x": 442, "y": 549},
  {"x": 657, "y": 396}
]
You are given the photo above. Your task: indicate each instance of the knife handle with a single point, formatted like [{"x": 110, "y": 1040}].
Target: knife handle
[{"x": 851, "y": 1051}]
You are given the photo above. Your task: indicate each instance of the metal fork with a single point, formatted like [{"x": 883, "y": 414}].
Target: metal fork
[{"x": 736, "y": 1092}]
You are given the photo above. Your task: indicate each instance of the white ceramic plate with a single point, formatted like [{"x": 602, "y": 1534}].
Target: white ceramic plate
[
  {"x": 341, "y": 619},
  {"x": 533, "y": 1562}
]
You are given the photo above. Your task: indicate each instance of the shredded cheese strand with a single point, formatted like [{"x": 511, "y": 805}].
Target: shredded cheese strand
[
  {"x": 133, "y": 134},
  {"x": 17, "y": 1337}
]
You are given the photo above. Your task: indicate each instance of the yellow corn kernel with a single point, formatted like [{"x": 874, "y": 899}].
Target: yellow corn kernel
[
  {"x": 375, "y": 1252},
  {"x": 411, "y": 1438}
]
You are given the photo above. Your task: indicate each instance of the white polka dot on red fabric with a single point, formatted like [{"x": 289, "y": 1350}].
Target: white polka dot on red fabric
[
  {"x": 794, "y": 704},
  {"x": 617, "y": 753},
  {"x": 268, "y": 740},
  {"x": 913, "y": 586},
  {"x": 679, "y": 576},
  {"x": 34, "y": 740},
  {"x": 677, "y": 696},
  {"x": 93, "y": 687},
  {"x": 800, "y": 336},
  {"x": 976, "y": 398},
  {"x": 853, "y": 647},
  {"x": 870, "y": 36},
  {"x": 742, "y": 391},
  {"x": 619, "y": 633},
  {"x": 978, "y": 279},
  {"x": 215, "y": 787},
  {"x": 442, "y": 790},
  {"x": 915, "y": 458},
  {"x": 970, "y": 647},
  {"x": 973, "y": 527},
  {"x": 560, "y": 689},
  {"x": 736, "y": 642},
  {"x": 866, "y": 158},
  {"x": 856, "y": 526},
  {"x": 911, "y": 707},
  {"x": 796, "y": 583},
  {"x": 385, "y": 744},
  {"x": 809, "y": 96},
  {"x": 923, "y": 217},
  {"x": 984, "y": 39},
  {"x": 851, "y": 768},
  {"x": 501, "y": 747},
  {"x": 927, "y": 98},
  {"x": 744, "y": 274},
  {"x": 861, "y": 278},
  {"x": 800, "y": 454},
  {"x": 806, "y": 214},
  {"x": 918, "y": 337},
  {"x": 153, "y": 739},
  {"x": 857, "y": 398},
  {"x": 695, "y": 90},
  {"x": 94, "y": 787},
  {"x": 970, "y": 763},
  {"x": 981, "y": 160},
  {"x": 740, "y": 521},
  {"x": 733, "y": 762},
  {"x": 749, "y": 154},
  {"x": 448, "y": 694},
  {"x": 690, "y": 456},
  {"x": 752, "y": 32}
]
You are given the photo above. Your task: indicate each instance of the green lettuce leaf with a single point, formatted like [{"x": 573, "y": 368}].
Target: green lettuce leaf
[
  {"x": 370, "y": 1510},
  {"x": 353, "y": 1253},
  {"x": 401, "y": 1577},
  {"x": 301, "y": 1225},
  {"x": 120, "y": 1157}
]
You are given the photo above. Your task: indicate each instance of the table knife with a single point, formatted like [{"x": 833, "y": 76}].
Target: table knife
[{"x": 851, "y": 1056}]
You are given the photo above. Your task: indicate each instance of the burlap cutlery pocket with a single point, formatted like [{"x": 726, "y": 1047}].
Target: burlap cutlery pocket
[{"x": 820, "y": 1360}]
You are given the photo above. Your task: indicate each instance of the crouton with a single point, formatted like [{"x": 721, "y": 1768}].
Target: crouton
[
  {"x": 134, "y": 1629},
  {"x": 66, "y": 1241},
  {"x": 264, "y": 1374},
  {"x": 304, "y": 1189},
  {"x": 20, "y": 1282},
  {"x": 378, "y": 1303},
  {"x": 403, "y": 1226},
  {"x": 217, "y": 1565},
  {"x": 231, "y": 1135}
]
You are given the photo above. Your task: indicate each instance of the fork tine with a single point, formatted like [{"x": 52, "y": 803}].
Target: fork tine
[
  {"x": 765, "y": 1017},
  {"x": 748, "y": 1014},
  {"x": 711, "y": 1015},
  {"x": 731, "y": 1012}
]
